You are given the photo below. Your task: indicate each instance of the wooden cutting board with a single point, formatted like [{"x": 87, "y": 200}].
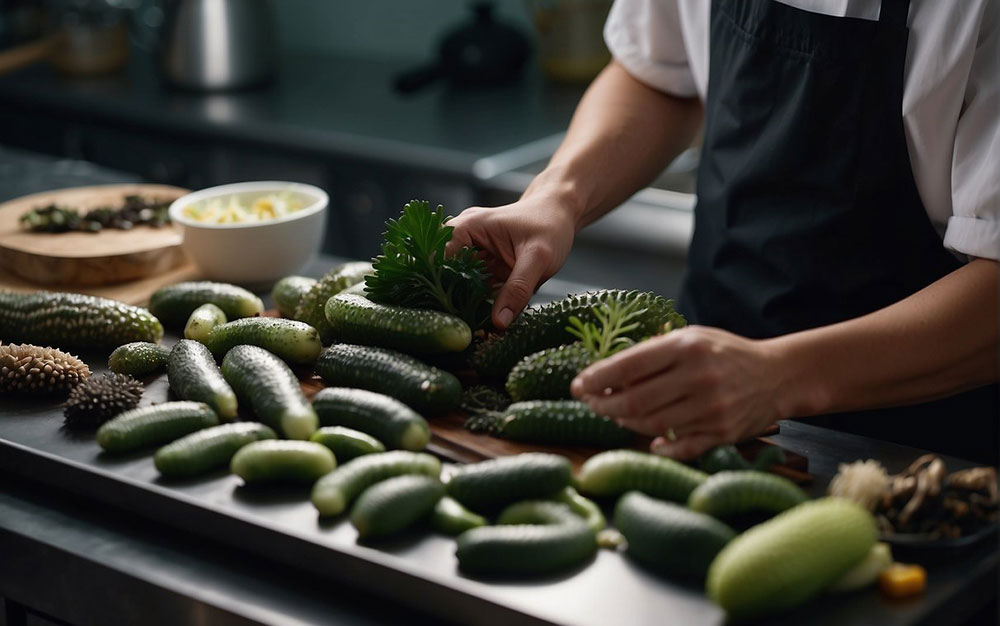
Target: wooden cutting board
[{"x": 77, "y": 259}]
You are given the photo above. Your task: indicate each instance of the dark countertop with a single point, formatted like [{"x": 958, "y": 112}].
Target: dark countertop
[{"x": 331, "y": 105}]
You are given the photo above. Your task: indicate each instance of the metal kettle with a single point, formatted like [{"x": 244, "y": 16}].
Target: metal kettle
[{"x": 218, "y": 44}]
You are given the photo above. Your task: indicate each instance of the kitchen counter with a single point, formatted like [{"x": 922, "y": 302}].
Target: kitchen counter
[
  {"x": 335, "y": 106},
  {"x": 86, "y": 561}
]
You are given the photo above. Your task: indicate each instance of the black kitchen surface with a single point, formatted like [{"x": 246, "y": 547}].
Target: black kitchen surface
[{"x": 418, "y": 570}]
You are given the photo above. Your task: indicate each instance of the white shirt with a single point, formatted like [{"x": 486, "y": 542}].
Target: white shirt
[{"x": 951, "y": 94}]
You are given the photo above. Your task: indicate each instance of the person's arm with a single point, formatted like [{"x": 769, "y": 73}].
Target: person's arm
[
  {"x": 622, "y": 135},
  {"x": 711, "y": 387}
]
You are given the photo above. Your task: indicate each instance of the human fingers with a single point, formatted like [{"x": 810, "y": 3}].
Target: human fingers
[
  {"x": 625, "y": 368},
  {"x": 684, "y": 416},
  {"x": 515, "y": 293},
  {"x": 640, "y": 399},
  {"x": 466, "y": 227},
  {"x": 686, "y": 447}
]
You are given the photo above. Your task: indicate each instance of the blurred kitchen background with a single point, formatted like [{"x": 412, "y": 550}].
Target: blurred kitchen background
[{"x": 376, "y": 101}]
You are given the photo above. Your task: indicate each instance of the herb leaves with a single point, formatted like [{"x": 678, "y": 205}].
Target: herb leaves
[{"x": 413, "y": 270}]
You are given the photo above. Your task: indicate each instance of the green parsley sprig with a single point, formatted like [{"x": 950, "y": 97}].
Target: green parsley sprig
[{"x": 413, "y": 270}]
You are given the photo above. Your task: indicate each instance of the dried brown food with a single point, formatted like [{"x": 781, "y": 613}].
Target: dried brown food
[
  {"x": 25, "y": 368},
  {"x": 924, "y": 499},
  {"x": 100, "y": 398}
]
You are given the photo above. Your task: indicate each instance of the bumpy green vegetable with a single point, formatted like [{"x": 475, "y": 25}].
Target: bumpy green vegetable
[
  {"x": 333, "y": 493},
  {"x": 381, "y": 416},
  {"x": 263, "y": 382},
  {"x": 668, "y": 537},
  {"x": 295, "y": 342},
  {"x": 614, "y": 472},
  {"x": 139, "y": 358},
  {"x": 426, "y": 389},
  {"x": 356, "y": 319},
  {"x": 289, "y": 291},
  {"x": 562, "y": 422},
  {"x": 722, "y": 458},
  {"x": 312, "y": 307},
  {"x": 347, "y": 443},
  {"x": 202, "y": 321},
  {"x": 395, "y": 504},
  {"x": 193, "y": 375},
  {"x": 72, "y": 320},
  {"x": 584, "y": 507},
  {"x": 727, "y": 494},
  {"x": 790, "y": 558},
  {"x": 497, "y": 482},
  {"x": 274, "y": 460},
  {"x": 546, "y": 375},
  {"x": 154, "y": 425},
  {"x": 174, "y": 304},
  {"x": 451, "y": 518},
  {"x": 545, "y": 327},
  {"x": 208, "y": 449},
  {"x": 728, "y": 457},
  {"x": 534, "y": 537}
]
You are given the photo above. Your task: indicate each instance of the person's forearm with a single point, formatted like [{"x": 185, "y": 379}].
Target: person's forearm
[
  {"x": 622, "y": 135},
  {"x": 939, "y": 341}
]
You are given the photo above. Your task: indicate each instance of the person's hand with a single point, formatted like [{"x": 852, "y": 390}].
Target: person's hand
[
  {"x": 702, "y": 385},
  {"x": 523, "y": 244}
]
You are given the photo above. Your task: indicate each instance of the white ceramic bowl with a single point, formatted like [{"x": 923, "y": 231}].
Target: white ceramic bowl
[{"x": 253, "y": 253}]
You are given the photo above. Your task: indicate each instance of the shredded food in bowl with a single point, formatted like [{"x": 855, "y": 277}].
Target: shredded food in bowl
[{"x": 242, "y": 208}]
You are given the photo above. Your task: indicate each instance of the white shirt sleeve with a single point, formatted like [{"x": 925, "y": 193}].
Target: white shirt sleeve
[
  {"x": 974, "y": 227},
  {"x": 644, "y": 36}
]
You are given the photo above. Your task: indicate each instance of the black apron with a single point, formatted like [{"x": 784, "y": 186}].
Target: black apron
[{"x": 807, "y": 212}]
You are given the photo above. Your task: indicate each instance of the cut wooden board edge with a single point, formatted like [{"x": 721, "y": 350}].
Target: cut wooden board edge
[{"x": 136, "y": 292}]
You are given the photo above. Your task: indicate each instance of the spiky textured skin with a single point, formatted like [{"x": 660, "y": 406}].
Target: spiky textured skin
[
  {"x": 544, "y": 327},
  {"x": 560, "y": 422},
  {"x": 546, "y": 375},
  {"x": 71, "y": 320},
  {"x": 32, "y": 369},
  {"x": 311, "y": 308},
  {"x": 424, "y": 388},
  {"x": 288, "y": 292},
  {"x": 356, "y": 319},
  {"x": 98, "y": 399}
]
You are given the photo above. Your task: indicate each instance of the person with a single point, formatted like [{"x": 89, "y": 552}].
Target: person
[{"x": 847, "y": 227}]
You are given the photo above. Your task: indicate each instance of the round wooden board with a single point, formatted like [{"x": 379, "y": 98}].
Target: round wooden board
[{"x": 74, "y": 258}]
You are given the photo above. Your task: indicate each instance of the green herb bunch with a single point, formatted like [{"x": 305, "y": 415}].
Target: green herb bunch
[
  {"x": 609, "y": 334},
  {"x": 413, "y": 271}
]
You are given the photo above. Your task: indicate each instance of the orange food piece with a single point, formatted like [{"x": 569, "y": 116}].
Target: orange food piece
[{"x": 902, "y": 581}]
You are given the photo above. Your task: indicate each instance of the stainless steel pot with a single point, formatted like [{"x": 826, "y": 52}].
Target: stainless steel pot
[{"x": 218, "y": 44}]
